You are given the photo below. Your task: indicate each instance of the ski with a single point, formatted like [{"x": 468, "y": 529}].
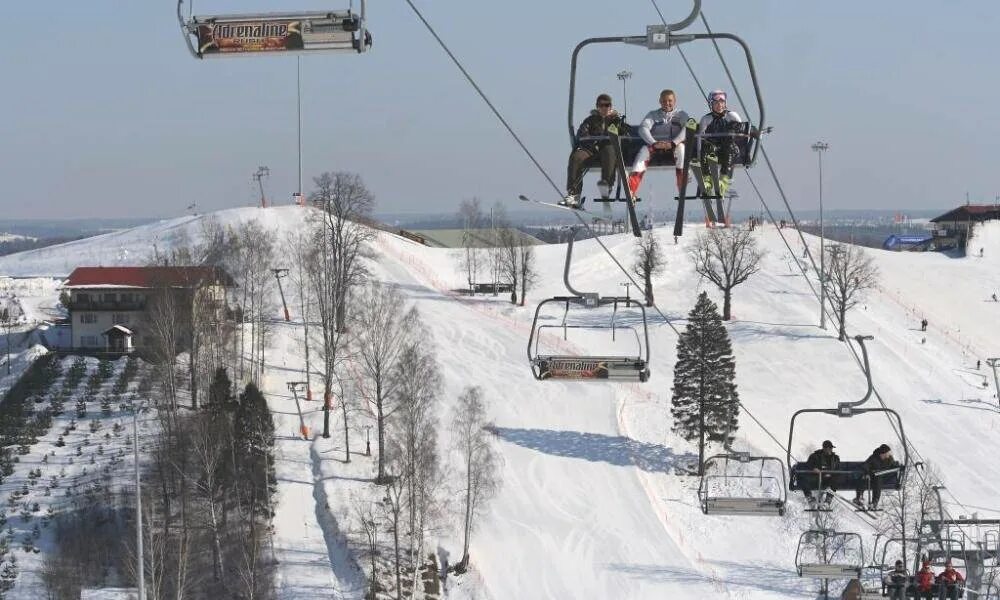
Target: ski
[
  {"x": 524, "y": 198},
  {"x": 623, "y": 177}
]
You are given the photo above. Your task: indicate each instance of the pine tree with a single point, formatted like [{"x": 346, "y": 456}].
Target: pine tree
[
  {"x": 220, "y": 392},
  {"x": 704, "y": 392}
]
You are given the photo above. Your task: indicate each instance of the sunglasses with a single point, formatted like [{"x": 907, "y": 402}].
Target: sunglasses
[
  {"x": 719, "y": 99},
  {"x": 604, "y": 105}
]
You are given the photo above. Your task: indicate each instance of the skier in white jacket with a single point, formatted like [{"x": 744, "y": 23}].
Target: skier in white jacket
[{"x": 663, "y": 131}]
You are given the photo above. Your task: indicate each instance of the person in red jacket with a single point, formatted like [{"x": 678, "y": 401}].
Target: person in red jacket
[
  {"x": 925, "y": 582},
  {"x": 951, "y": 582}
]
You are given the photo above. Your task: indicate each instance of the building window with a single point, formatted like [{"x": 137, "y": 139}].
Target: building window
[
  {"x": 88, "y": 341},
  {"x": 119, "y": 318},
  {"x": 128, "y": 297},
  {"x": 109, "y": 297},
  {"x": 88, "y": 318},
  {"x": 81, "y": 297}
]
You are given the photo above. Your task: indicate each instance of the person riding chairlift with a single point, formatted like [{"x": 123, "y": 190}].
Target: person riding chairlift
[
  {"x": 950, "y": 581},
  {"x": 720, "y": 149},
  {"x": 880, "y": 460},
  {"x": 896, "y": 580},
  {"x": 824, "y": 459},
  {"x": 602, "y": 120}
]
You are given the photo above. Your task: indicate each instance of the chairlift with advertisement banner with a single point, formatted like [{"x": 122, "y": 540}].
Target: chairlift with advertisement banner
[
  {"x": 212, "y": 36},
  {"x": 626, "y": 322}
]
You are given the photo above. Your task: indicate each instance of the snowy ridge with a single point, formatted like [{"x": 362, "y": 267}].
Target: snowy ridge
[{"x": 591, "y": 506}]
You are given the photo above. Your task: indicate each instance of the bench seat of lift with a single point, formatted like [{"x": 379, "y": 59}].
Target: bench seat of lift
[
  {"x": 831, "y": 571},
  {"x": 592, "y": 367},
  {"x": 845, "y": 478},
  {"x": 744, "y": 506},
  {"x": 632, "y": 143}
]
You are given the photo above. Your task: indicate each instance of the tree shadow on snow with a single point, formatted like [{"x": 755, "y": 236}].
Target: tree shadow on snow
[
  {"x": 968, "y": 403},
  {"x": 733, "y": 575},
  {"x": 595, "y": 447}
]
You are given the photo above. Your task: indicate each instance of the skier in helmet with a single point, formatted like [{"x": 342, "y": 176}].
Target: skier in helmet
[{"x": 717, "y": 145}]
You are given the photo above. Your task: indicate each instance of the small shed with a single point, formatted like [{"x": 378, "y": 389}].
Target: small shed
[{"x": 119, "y": 339}]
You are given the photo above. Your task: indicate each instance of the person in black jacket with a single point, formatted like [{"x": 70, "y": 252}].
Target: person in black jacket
[
  {"x": 896, "y": 580},
  {"x": 824, "y": 459},
  {"x": 880, "y": 460},
  {"x": 602, "y": 120}
]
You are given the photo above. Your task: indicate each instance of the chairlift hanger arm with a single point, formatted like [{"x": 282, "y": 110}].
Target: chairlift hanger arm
[{"x": 184, "y": 30}]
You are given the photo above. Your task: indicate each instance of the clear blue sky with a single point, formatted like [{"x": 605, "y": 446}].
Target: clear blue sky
[{"x": 104, "y": 112}]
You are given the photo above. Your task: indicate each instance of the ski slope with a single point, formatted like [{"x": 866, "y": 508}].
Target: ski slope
[{"x": 591, "y": 506}]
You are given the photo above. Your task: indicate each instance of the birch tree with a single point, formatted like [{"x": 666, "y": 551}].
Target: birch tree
[
  {"x": 480, "y": 462},
  {"x": 385, "y": 328}
]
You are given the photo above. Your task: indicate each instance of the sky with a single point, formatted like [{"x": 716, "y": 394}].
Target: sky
[{"x": 104, "y": 113}]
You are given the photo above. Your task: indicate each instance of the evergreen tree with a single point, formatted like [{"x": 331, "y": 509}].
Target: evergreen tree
[
  {"x": 704, "y": 393},
  {"x": 253, "y": 433},
  {"x": 220, "y": 392}
]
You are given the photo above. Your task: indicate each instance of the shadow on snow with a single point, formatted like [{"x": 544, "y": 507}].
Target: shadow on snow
[{"x": 616, "y": 450}]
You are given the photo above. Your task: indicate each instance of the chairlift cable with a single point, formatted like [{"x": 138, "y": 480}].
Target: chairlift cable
[
  {"x": 524, "y": 148},
  {"x": 781, "y": 191}
]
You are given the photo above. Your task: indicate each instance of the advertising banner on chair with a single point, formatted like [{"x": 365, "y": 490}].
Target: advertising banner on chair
[{"x": 274, "y": 34}]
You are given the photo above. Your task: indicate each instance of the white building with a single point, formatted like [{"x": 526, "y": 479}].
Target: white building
[{"x": 108, "y": 306}]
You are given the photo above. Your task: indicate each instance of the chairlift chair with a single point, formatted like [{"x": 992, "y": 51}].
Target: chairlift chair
[
  {"x": 837, "y": 564},
  {"x": 845, "y": 478},
  {"x": 665, "y": 37},
  {"x": 622, "y": 367},
  {"x": 214, "y": 36},
  {"x": 735, "y": 501}
]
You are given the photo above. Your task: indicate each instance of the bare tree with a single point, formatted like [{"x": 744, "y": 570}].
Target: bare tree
[
  {"x": 480, "y": 462},
  {"x": 516, "y": 262},
  {"x": 649, "y": 262},
  {"x": 332, "y": 339},
  {"x": 385, "y": 327},
  {"x": 529, "y": 274},
  {"x": 346, "y": 202},
  {"x": 850, "y": 273},
  {"x": 726, "y": 257},
  {"x": 393, "y": 505},
  {"x": 471, "y": 215},
  {"x": 414, "y": 431},
  {"x": 164, "y": 322}
]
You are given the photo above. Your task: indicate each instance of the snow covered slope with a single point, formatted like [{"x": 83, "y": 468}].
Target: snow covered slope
[{"x": 591, "y": 507}]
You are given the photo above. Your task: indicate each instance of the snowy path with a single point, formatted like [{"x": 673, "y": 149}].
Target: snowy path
[
  {"x": 573, "y": 518},
  {"x": 312, "y": 562}
]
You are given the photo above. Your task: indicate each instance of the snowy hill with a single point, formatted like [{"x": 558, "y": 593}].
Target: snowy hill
[{"x": 591, "y": 506}]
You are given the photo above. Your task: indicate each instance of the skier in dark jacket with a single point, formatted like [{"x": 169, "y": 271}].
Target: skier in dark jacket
[
  {"x": 824, "y": 459},
  {"x": 896, "y": 580},
  {"x": 602, "y": 120},
  {"x": 880, "y": 460}
]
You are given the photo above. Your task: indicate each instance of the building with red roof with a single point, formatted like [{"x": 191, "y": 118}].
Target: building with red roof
[{"x": 111, "y": 308}]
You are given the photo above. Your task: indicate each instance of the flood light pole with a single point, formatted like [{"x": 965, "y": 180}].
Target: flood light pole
[
  {"x": 994, "y": 363},
  {"x": 820, "y": 148},
  {"x": 624, "y": 76},
  {"x": 140, "y": 567}
]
